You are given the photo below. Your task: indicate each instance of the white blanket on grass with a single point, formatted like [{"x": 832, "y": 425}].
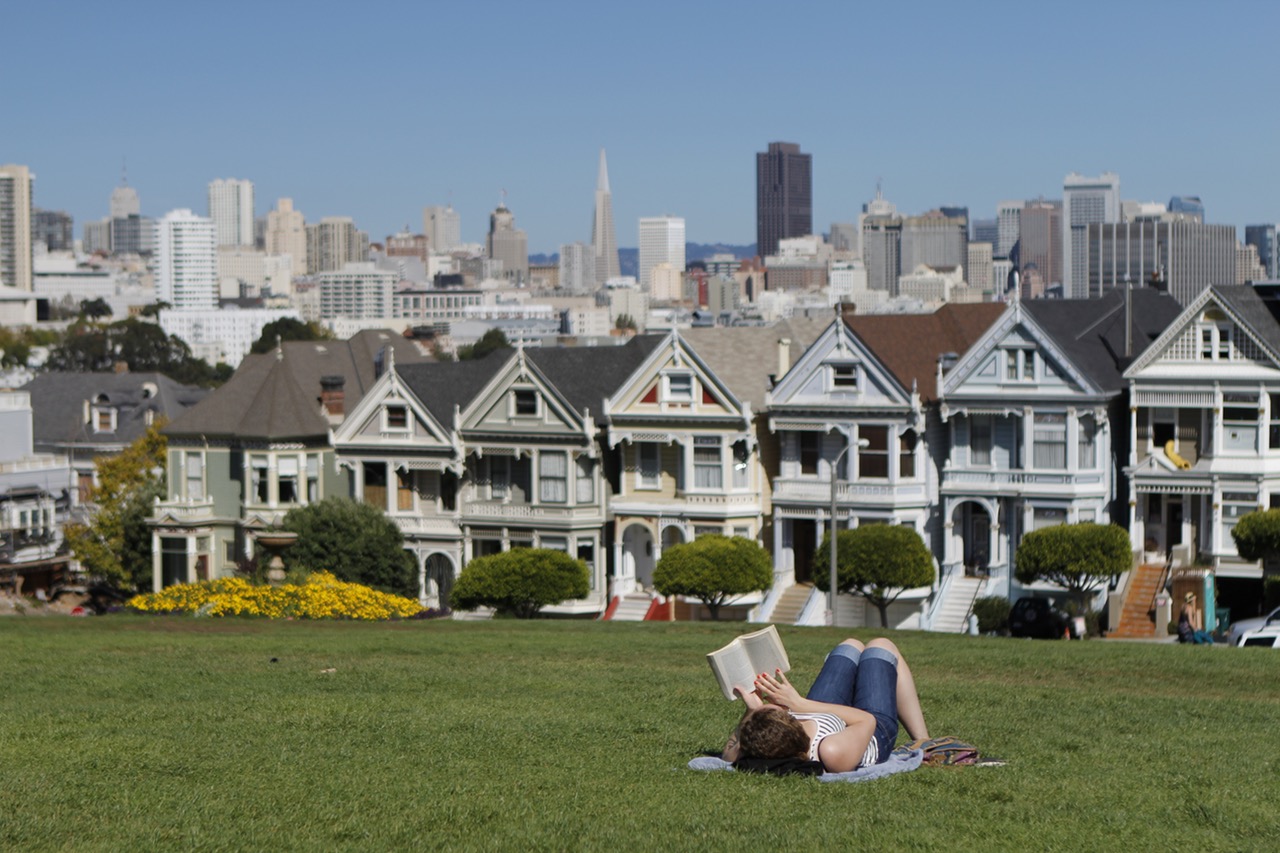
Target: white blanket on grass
[{"x": 899, "y": 761}]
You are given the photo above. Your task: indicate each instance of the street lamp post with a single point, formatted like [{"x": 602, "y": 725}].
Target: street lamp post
[{"x": 835, "y": 468}]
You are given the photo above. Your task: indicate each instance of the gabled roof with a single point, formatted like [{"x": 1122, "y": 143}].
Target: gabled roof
[
  {"x": 586, "y": 376},
  {"x": 443, "y": 385},
  {"x": 276, "y": 395},
  {"x": 1243, "y": 303},
  {"x": 58, "y": 404},
  {"x": 1090, "y": 332},
  {"x": 745, "y": 357},
  {"x": 909, "y": 344}
]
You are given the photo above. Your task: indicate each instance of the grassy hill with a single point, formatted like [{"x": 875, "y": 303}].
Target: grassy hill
[{"x": 128, "y": 732}]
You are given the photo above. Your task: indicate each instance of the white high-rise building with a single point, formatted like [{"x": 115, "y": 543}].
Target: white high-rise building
[
  {"x": 666, "y": 283},
  {"x": 186, "y": 260},
  {"x": 15, "y": 227},
  {"x": 577, "y": 268},
  {"x": 287, "y": 233},
  {"x": 231, "y": 209},
  {"x": 1085, "y": 201},
  {"x": 980, "y": 272},
  {"x": 661, "y": 242},
  {"x": 443, "y": 227},
  {"x": 604, "y": 240},
  {"x": 124, "y": 202}
]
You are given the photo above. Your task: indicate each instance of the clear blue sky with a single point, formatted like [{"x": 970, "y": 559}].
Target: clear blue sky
[{"x": 376, "y": 109}]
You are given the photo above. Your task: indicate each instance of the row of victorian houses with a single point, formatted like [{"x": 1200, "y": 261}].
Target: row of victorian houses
[{"x": 972, "y": 425}]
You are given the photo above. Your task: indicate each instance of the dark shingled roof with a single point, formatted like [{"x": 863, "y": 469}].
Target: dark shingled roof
[
  {"x": 1260, "y": 315},
  {"x": 442, "y": 385},
  {"x": 58, "y": 405},
  {"x": 909, "y": 344},
  {"x": 271, "y": 397},
  {"x": 1091, "y": 331},
  {"x": 587, "y": 376}
]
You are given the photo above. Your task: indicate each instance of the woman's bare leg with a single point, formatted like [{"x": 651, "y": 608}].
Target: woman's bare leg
[{"x": 910, "y": 713}]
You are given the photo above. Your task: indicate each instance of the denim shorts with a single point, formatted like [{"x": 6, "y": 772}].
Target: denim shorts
[{"x": 866, "y": 680}]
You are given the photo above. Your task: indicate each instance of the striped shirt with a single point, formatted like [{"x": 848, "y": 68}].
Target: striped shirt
[{"x": 830, "y": 724}]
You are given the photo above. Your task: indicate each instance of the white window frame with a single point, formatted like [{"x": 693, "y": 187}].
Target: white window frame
[
  {"x": 584, "y": 484},
  {"x": 98, "y": 412},
  {"x": 550, "y": 482},
  {"x": 196, "y": 457},
  {"x": 709, "y": 470},
  {"x": 257, "y": 480},
  {"x": 289, "y": 460},
  {"x": 669, "y": 392},
  {"x": 985, "y": 449},
  {"x": 387, "y": 426},
  {"x": 843, "y": 376},
  {"x": 516, "y": 396}
]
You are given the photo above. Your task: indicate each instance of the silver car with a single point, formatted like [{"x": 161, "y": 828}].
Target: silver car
[
  {"x": 1237, "y": 629},
  {"x": 1267, "y": 638}
]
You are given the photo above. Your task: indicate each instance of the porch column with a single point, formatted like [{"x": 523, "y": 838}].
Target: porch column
[
  {"x": 191, "y": 559},
  {"x": 156, "y": 573}
]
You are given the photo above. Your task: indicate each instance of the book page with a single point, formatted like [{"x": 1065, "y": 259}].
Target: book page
[
  {"x": 747, "y": 656},
  {"x": 765, "y": 650}
]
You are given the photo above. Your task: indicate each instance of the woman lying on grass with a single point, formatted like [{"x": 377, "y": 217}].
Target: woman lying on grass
[{"x": 848, "y": 720}]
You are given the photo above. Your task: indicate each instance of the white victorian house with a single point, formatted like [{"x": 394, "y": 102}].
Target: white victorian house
[
  {"x": 1035, "y": 411},
  {"x": 1205, "y": 434}
]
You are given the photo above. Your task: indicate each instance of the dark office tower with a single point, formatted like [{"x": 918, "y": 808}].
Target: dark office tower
[
  {"x": 53, "y": 228},
  {"x": 1264, "y": 238},
  {"x": 1040, "y": 247},
  {"x": 784, "y": 195}
]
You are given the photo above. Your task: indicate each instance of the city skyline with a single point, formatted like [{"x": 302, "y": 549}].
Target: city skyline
[{"x": 967, "y": 144}]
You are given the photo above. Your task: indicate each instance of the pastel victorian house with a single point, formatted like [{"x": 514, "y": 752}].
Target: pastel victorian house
[
  {"x": 855, "y": 419},
  {"x": 257, "y": 447},
  {"x": 1036, "y": 415},
  {"x": 686, "y": 461},
  {"x": 1205, "y": 436}
]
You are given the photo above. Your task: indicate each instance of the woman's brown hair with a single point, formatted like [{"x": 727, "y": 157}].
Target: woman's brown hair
[{"x": 771, "y": 732}]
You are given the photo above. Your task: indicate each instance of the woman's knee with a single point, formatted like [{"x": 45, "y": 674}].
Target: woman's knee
[
  {"x": 857, "y": 644},
  {"x": 883, "y": 643}
]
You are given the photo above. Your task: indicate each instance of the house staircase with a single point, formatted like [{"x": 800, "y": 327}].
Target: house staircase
[
  {"x": 629, "y": 608},
  {"x": 1137, "y": 616},
  {"x": 791, "y": 604},
  {"x": 954, "y": 610}
]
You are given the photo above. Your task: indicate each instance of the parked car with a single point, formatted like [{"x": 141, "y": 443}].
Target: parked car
[
  {"x": 1237, "y": 629},
  {"x": 1033, "y": 616},
  {"x": 1268, "y": 638}
]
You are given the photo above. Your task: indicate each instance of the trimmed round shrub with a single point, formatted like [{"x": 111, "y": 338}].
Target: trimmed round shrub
[
  {"x": 520, "y": 582},
  {"x": 714, "y": 569}
]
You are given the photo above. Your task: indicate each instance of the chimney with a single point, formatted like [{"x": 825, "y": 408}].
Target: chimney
[
  {"x": 332, "y": 397},
  {"x": 784, "y": 356}
]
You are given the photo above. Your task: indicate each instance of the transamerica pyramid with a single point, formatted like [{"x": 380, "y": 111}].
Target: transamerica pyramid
[{"x": 604, "y": 242}]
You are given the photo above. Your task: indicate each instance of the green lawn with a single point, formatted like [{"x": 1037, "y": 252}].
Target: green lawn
[{"x": 149, "y": 733}]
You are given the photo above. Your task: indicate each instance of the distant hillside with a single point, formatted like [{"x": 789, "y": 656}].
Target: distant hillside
[{"x": 629, "y": 259}]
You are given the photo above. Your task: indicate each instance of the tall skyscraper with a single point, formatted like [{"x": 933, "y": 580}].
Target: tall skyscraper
[
  {"x": 186, "y": 260},
  {"x": 577, "y": 269},
  {"x": 604, "y": 239},
  {"x": 507, "y": 243},
  {"x": 1085, "y": 201},
  {"x": 53, "y": 228},
  {"x": 934, "y": 239},
  {"x": 443, "y": 228},
  {"x": 784, "y": 195},
  {"x": 1187, "y": 256},
  {"x": 124, "y": 200},
  {"x": 231, "y": 209},
  {"x": 287, "y": 233},
  {"x": 661, "y": 242},
  {"x": 985, "y": 231},
  {"x": 1263, "y": 238},
  {"x": 1008, "y": 223},
  {"x": 1040, "y": 247},
  {"x": 334, "y": 242},
  {"x": 15, "y": 227},
  {"x": 979, "y": 272}
]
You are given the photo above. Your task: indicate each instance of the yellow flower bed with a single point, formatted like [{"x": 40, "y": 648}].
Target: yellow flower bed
[{"x": 321, "y": 596}]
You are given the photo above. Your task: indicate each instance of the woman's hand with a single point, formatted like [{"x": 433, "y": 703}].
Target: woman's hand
[
  {"x": 750, "y": 697},
  {"x": 776, "y": 690}
]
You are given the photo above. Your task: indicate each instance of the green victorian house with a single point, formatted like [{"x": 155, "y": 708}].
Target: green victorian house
[{"x": 259, "y": 446}]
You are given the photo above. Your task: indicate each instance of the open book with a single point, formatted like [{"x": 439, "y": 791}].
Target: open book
[{"x": 746, "y": 657}]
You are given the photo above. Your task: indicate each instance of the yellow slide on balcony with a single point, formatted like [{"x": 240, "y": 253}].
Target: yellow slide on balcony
[{"x": 1174, "y": 457}]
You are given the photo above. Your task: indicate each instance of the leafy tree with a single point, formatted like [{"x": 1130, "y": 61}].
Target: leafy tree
[
  {"x": 876, "y": 561},
  {"x": 520, "y": 582},
  {"x": 142, "y": 346},
  {"x": 288, "y": 329},
  {"x": 154, "y": 309},
  {"x": 491, "y": 340},
  {"x": 1077, "y": 557},
  {"x": 714, "y": 569},
  {"x": 1257, "y": 535},
  {"x": 115, "y": 546},
  {"x": 95, "y": 308},
  {"x": 625, "y": 321},
  {"x": 355, "y": 541}
]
